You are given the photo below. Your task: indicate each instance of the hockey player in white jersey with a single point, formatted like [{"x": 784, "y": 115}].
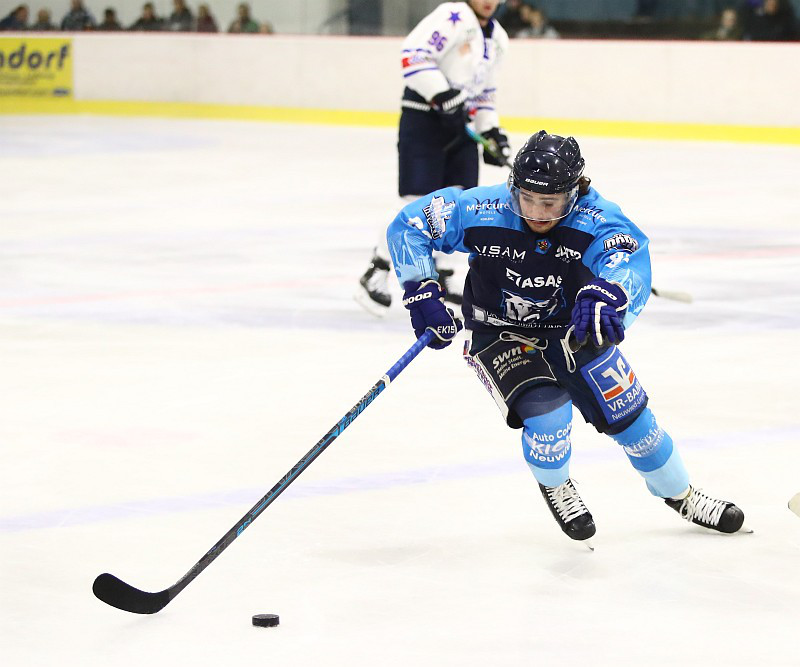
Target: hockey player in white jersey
[
  {"x": 449, "y": 65},
  {"x": 557, "y": 274}
]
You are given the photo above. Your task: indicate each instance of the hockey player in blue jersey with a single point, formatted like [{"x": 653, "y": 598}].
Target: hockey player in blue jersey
[{"x": 557, "y": 275}]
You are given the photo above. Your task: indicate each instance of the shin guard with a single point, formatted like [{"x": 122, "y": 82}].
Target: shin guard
[
  {"x": 547, "y": 445},
  {"x": 651, "y": 452}
]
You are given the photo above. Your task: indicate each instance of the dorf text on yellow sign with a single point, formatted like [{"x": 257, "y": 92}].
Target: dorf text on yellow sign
[{"x": 35, "y": 67}]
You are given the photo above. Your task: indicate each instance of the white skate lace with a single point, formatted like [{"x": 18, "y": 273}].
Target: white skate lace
[
  {"x": 697, "y": 505},
  {"x": 566, "y": 500}
]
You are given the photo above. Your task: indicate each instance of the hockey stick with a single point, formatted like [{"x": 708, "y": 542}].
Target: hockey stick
[
  {"x": 684, "y": 297},
  {"x": 117, "y": 593}
]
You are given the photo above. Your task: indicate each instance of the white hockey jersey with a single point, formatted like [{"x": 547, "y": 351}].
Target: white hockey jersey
[{"x": 448, "y": 49}]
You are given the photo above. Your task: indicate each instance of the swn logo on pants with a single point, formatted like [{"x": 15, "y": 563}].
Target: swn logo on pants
[{"x": 614, "y": 385}]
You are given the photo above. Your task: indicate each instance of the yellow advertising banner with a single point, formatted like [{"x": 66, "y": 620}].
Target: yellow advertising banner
[{"x": 35, "y": 67}]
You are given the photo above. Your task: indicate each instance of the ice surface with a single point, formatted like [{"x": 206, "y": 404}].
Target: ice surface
[{"x": 178, "y": 329}]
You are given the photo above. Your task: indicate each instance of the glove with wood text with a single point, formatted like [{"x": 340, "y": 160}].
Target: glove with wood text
[
  {"x": 425, "y": 302},
  {"x": 597, "y": 316}
]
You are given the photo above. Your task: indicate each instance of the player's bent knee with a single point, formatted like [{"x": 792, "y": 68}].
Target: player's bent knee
[{"x": 547, "y": 445}]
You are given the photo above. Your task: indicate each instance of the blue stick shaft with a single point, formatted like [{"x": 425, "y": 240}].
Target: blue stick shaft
[
  {"x": 117, "y": 593},
  {"x": 408, "y": 357}
]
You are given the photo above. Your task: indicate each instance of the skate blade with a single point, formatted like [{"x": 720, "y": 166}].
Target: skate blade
[
  {"x": 745, "y": 529},
  {"x": 373, "y": 308},
  {"x": 589, "y": 545}
]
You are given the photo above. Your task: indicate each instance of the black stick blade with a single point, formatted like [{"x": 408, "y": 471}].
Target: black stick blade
[{"x": 117, "y": 593}]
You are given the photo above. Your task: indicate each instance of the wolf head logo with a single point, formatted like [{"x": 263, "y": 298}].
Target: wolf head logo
[{"x": 517, "y": 308}]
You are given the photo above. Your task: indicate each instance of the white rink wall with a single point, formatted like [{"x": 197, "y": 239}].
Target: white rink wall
[
  {"x": 739, "y": 84},
  {"x": 672, "y": 82}
]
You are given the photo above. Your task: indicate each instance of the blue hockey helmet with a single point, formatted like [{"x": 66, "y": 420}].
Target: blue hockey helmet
[{"x": 547, "y": 164}]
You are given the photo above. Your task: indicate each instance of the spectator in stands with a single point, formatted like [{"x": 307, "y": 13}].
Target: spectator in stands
[
  {"x": 43, "y": 22},
  {"x": 148, "y": 21},
  {"x": 266, "y": 28},
  {"x": 769, "y": 21},
  {"x": 110, "y": 22},
  {"x": 17, "y": 19},
  {"x": 205, "y": 21},
  {"x": 728, "y": 28},
  {"x": 508, "y": 16},
  {"x": 181, "y": 19},
  {"x": 77, "y": 18},
  {"x": 243, "y": 21},
  {"x": 536, "y": 25}
]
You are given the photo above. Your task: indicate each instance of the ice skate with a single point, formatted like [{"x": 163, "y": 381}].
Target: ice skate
[
  {"x": 451, "y": 291},
  {"x": 569, "y": 511},
  {"x": 373, "y": 291},
  {"x": 703, "y": 510}
]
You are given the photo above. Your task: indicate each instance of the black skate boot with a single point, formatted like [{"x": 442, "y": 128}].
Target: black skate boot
[
  {"x": 708, "y": 512},
  {"x": 451, "y": 291},
  {"x": 569, "y": 510},
  {"x": 373, "y": 293}
]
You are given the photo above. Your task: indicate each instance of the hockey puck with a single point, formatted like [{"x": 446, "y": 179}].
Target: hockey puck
[{"x": 266, "y": 620}]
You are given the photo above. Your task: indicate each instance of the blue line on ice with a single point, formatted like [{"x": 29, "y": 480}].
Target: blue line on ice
[{"x": 61, "y": 518}]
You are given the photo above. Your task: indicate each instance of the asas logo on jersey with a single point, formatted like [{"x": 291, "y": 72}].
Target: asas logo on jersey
[
  {"x": 511, "y": 254},
  {"x": 437, "y": 213},
  {"x": 622, "y": 242},
  {"x": 542, "y": 246},
  {"x": 517, "y": 308},
  {"x": 537, "y": 281},
  {"x": 567, "y": 254},
  {"x": 485, "y": 205},
  {"x": 614, "y": 384}
]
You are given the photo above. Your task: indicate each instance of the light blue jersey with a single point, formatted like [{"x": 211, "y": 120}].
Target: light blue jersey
[{"x": 519, "y": 279}]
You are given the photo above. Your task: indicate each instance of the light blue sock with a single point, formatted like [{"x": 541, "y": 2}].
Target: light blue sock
[
  {"x": 547, "y": 446},
  {"x": 651, "y": 452}
]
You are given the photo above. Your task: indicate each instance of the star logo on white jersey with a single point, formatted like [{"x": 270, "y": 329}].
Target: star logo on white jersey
[{"x": 454, "y": 18}]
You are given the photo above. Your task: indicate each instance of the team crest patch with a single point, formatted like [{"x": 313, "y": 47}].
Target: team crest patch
[
  {"x": 437, "y": 213},
  {"x": 542, "y": 246},
  {"x": 517, "y": 308},
  {"x": 615, "y": 385}
]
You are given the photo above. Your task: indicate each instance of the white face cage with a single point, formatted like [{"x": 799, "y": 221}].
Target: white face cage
[{"x": 540, "y": 206}]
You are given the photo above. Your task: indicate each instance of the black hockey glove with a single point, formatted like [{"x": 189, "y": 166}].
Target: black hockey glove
[
  {"x": 425, "y": 302},
  {"x": 597, "y": 316},
  {"x": 450, "y": 107},
  {"x": 500, "y": 150}
]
